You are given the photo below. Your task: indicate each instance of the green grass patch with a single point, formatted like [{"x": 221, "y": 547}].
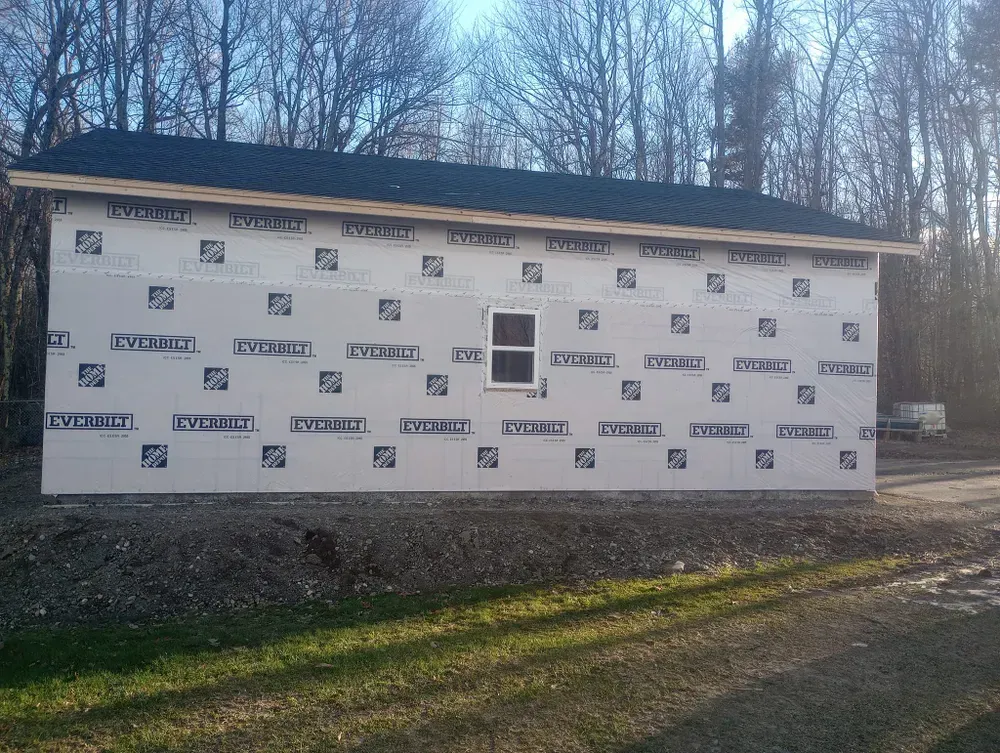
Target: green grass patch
[{"x": 448, "y": 671}]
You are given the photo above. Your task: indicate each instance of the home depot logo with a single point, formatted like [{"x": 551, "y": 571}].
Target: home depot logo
[
  {"x": 677, "y": 253},
  {"x": 89, "y": 242},
  {"x": 674, "y": 363},
  {"x": 542, "y": 392},
  {"x": 212, "y": 261},
  {"x": 585, "y": 457},
  {"x": 389, "y": 309},
  {"x": 378, "y": 232},
  {"x": 677, "y": 459},
  {"x": 715, "y": 292},
  {"x": 89, "y": 421},
  {"x": 432, "y": 276},
  {"x": 764, "y": 460},
  {"x": 467, "y": 355},
  {"x": 198, "y": 422},
  {"x": 802, "y": 297},
  {"x": 626, "y": 287},
  {"x": 629, "y": 429},
  {"x": 161, "y": 298},
  {"x": 533, "y": 281},
  {"x": 435, "y": 426},
  {"x": 767, "y": 327},
  {"x": 273, "y": 456},
  {"x": 850, "y": 332},
  {"x": 433, "y": 266},
  {"x": 216, "y": 378},
  {"x": 326, "y": 268},
  {"x": 268, "y": 223},
  {"x": 148, "y": 213},
  {"x": 848, "y": 460},
  {"x": 284, "y": 348},
  {"x": 488, "y": 457},
  {"x": 794, "y": 431},
  {"x": 807, "y": 394},
  {"x": 212, "y": 251},
  {"x": 476, "y": 238},
  {"x": 763, "y": 365},
  {"x": 578, "y": 246},
  {"x": 531, "y": 272},
  {"x": 384, "y": 456},
  {"x": 57, "y": 339},
  {"x": 331, "y": 382},
  {"x": 535, "y": 428},
  {"x": 88, "y": 252},
  {"x": 719, "y": 431},
  {"x": 570, "y": 358},
  {"x": 721, "y": 392},
  {"x": 853, "y": 263},
  {"x": 680, "y": 324},
  {"x": 631, "y": 390},
  {"x": 846, "y": 368},
  {"x": 327, "y": 259},
  {"x": 758, "y": 258},
  {"x": 279, "y": 304},
  {"x": 153, "y": 343},
  {"x": 328, "y": 425},
  {"x": 375, "y": 352},
  {"x": 437, "y": 385},
  {"x": 153, "y": 456},
  {"x": 90, "y": 375},
  {"x": 588, "y": 319}
]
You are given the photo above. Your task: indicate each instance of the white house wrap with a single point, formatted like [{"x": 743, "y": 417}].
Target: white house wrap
[{"x": 205, "y": 347}]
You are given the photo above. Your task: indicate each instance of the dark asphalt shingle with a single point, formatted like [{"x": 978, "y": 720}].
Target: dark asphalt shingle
[{"x": 232, "y": 165}]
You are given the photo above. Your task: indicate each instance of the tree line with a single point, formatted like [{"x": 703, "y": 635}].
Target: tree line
[{"x": 883, "y": 111}]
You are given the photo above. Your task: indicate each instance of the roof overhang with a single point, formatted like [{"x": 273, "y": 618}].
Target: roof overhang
[{"x": 122, "y": 187}]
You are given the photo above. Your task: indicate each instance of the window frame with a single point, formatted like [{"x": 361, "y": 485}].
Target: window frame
[{"x": 491, "y": 312}]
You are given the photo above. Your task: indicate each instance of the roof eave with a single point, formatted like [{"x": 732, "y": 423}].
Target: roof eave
[{"x": 151, "y": 189}]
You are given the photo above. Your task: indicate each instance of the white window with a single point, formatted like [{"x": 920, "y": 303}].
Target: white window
[{"x": 512, "y": 349}]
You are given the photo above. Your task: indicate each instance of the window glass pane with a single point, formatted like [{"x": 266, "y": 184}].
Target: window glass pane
[
  {"x": 513, "y": 366},
  {"x": 514, "y": 329}
]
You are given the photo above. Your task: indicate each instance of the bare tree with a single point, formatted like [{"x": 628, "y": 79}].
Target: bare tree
[
  {"x": 223, "y": 59},
  {"x": 40, "y": 62},
  {"x": 553, "y": 72}
]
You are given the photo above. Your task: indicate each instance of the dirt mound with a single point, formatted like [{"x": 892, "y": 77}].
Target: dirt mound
[{"x": 131, "y": 563}]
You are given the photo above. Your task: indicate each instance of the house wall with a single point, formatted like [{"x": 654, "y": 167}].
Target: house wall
[{"x": 156, "y": 381}]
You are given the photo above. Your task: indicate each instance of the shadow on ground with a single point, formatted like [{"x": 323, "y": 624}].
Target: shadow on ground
[
  {"x": 933, "y": 689},
  {"x": 429, "y": 688}
]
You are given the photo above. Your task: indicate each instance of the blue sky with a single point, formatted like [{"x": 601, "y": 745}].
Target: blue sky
[
  {"x": 469, "y": 10},
  {"x": 472, "y": 9}
]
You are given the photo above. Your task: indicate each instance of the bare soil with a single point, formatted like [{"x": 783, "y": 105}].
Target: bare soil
[
  {"x": 960, "y": 444},
  {"x": 63, "y": 565}
]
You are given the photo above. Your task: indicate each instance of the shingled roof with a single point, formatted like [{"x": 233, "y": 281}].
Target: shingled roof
[{"x": 122, "y": 155}]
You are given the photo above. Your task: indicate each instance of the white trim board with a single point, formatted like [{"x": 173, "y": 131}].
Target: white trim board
[{"x": 151, "y": 189}]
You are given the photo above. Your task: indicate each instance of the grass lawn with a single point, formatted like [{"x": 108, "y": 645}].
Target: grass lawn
[{"x": 680, "y": 663}]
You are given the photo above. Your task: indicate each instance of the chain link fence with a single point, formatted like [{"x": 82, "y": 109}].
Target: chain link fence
[{"x": 22, "y": 423}]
